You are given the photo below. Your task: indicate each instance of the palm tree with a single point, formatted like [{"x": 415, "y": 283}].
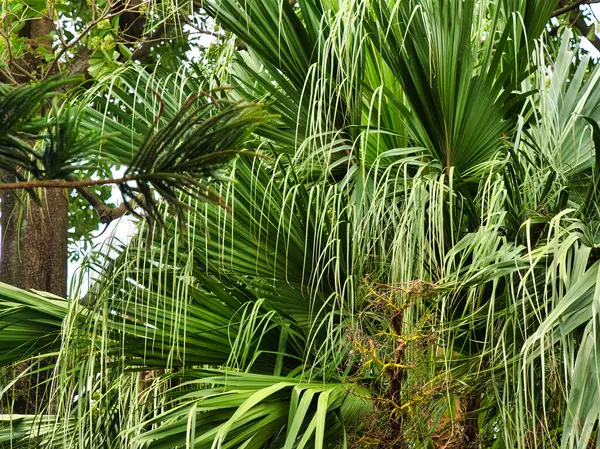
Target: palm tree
[{"x": 408, "y": 258}]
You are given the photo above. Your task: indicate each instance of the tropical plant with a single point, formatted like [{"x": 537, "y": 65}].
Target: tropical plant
[{"x": 407, "y": 255}]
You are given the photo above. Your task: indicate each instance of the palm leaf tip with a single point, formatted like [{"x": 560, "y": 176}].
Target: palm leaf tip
[{"x": 191, "y": 152}]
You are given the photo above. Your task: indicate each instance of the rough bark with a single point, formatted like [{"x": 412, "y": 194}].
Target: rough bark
[
  {"x": 397, "y": 376},
  {"x": 34, "y": 236},
  {"x": 34, "y": 241},
  {"x": 472, "y": 407},
  {"x": 33, "y": 256}
]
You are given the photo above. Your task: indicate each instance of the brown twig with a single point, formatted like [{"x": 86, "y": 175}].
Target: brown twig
[
  {"x": 577, "y": 21},
  {"x": 61, "y": 184},
  {"x": 575, "y": 5}
]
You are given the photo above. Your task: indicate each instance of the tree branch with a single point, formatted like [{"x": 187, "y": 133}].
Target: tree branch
[
  {"x": 577, "y": 21},
  {"x": 81, "y": 62},
  {"x": 203, "y": 30},
  {"x": 585, "y": 30},
  {"x": 61, "y": 184},
  {"x": 106, "y": 213},
  {"x": 575, "y": 5},
  {"x": 63, "y": 50},
  {"x": 142, "y": 51}
]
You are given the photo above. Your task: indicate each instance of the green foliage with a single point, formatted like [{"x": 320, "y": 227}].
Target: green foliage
[
  {"x": 30, "y": 323},
  {"x": 21, "y": 129},
  {"x": 400, "y": 246}
]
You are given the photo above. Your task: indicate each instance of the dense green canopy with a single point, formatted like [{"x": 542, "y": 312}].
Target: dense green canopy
[{"x": 368, "y": 224}]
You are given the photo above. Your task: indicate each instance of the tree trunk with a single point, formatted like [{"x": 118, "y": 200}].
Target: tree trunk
[
  {"x": 34, "y": 234},
  {"x": 33, "y": 256},
  {"x": 397, "y": 376},
  {"x": 472, "y": 406},
  {"x": 34, "y": 241}
]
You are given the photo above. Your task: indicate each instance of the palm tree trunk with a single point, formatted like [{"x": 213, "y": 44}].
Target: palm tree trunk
[
  {"x": 397, "y": 376},
  {"x": 472, "y": 405}
]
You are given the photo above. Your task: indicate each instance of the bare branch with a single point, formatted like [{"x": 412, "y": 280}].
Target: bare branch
[
  {"x": 106, "y": 213},
  {"x": 577, "y": 21},
  {"x": 61, "y": 184},
  {"x": 575, "y": 5},
  {"x": 587, "y": 31}
]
